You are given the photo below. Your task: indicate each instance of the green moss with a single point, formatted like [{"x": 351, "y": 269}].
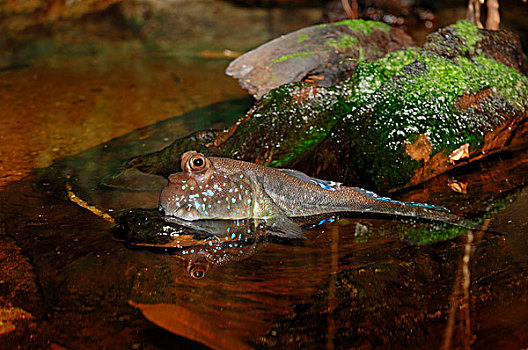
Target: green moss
[
  {"x": 288, "y": 123},
  {"x": 468, "y": 31},
  {"x": 364, "y": 27},
  {"x": 343, "y": 42},
  {"x": 295, "y": 55},
  {"x": 512, "y": 85},
  {"x": 431, "y": 233},
  {"x": 304, "y": 143},
  {"x": 459, "y": 39},
  {"x": 391, "y": 102},
  {"x": 405, "y": 95},
  {"x": 302, "y": 37}
]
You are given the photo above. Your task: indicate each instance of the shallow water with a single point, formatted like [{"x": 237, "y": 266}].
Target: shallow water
[
  {"x": 77, "y": 96},
  {"x": 361, "y": 281},
  {"x": 340, "y": 287}
]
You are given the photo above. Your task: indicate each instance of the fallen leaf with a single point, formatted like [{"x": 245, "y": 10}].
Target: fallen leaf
[
  {"x": 457, "y": 186},
  {"x": 460, "y": 153},
  {"x": 192, "y": 325}
]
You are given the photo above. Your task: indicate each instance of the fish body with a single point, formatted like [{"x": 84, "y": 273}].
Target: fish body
[{"x": 223, "y": 188}]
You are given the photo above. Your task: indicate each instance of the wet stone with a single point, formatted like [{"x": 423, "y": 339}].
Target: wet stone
[{"x": 324, "y": 54}]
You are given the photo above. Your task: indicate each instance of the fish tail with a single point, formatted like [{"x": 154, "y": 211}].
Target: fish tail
[
  {"x": 384, "y": 205},
  {"x": 428, "y": 212},
  {"x": 423, "y": 211}
]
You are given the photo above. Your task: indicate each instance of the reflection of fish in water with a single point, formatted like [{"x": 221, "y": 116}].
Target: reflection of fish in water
[
  {"x": 222, "y": 188},
  {"x": 202, "y": 244},
  {"x": 201, "y": 259},
  {"x": 226, "y": 241}
]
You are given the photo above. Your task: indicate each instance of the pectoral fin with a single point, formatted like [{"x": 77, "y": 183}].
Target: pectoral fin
[{"x": 283, "y": 227}]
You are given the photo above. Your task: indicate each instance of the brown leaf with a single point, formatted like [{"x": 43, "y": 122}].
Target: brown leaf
[
  {"x": 460, "y": 153},
  {"x": 186, "y": 323},
  {"x": 457, "y": 186}
]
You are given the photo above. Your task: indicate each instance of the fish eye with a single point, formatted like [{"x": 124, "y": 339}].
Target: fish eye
[
  {"x": 197, "y": 162},
  {"x": 197, "y": 273}
]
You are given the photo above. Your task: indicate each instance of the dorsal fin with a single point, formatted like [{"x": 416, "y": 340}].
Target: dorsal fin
[{"x": 324, "y": 184}]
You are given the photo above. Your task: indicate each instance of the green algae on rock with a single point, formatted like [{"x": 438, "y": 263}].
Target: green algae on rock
[
  {"x": 328, "y": 51},
  {"x": 395, "y": 122},
  {"x": 401, "y": 130}
]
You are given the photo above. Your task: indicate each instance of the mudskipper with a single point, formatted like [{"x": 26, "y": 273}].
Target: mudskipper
[{"x": 222, "y": 188}]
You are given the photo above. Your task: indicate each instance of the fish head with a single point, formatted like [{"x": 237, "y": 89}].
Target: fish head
[{"x": 203, "y": 191}]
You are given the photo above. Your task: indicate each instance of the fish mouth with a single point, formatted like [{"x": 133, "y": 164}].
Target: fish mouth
[{"x": 186, "y": 212}]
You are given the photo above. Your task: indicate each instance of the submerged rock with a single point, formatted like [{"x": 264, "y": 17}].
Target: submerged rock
[
  {"x": 396, "y": 122},
  {"x": 325, "y": 54}
]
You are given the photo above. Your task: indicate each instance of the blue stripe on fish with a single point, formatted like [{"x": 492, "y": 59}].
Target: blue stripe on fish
[{"x": 412, "y": 204}]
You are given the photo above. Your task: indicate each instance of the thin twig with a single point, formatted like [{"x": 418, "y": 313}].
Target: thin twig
[
  {"x": 462, "y": 284},
  {"x": 332, "y": 289}
]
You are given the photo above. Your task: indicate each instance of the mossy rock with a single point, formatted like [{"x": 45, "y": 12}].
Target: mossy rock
[
  {"x": 325, "y": 53},
  {"x": 396, "y": 122}
]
